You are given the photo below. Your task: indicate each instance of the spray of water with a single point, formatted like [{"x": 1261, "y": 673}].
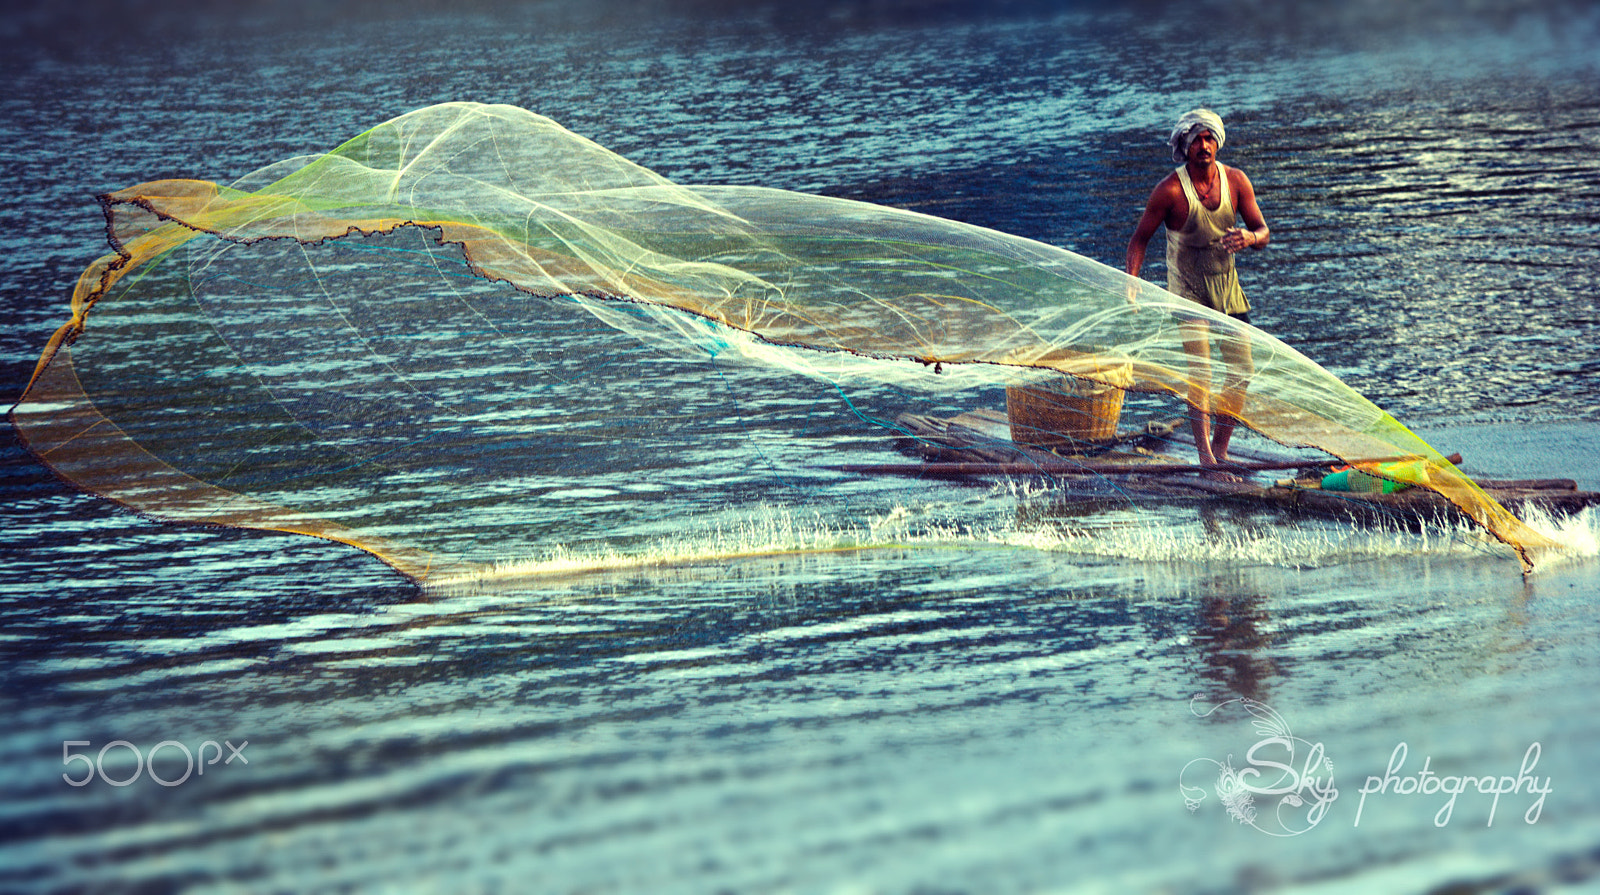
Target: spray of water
[
  {"x": 1578, "y": 535},
  {"x": 1178, "y": 536}
]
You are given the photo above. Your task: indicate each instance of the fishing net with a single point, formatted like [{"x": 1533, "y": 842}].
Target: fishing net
[{"x": 469, "y": 335}]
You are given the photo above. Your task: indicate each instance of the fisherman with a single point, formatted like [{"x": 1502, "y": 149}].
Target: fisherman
[{"x": 1200, "y": 204}]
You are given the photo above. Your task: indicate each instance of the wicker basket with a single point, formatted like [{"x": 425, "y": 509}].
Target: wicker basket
[{"x": 1074, "y": 413}]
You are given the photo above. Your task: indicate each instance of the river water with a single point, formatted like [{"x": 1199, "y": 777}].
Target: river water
[{"x": 978, "y": 716}]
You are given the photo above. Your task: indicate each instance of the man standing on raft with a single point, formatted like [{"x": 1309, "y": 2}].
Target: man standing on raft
[{"x": 1199, "y": 203}]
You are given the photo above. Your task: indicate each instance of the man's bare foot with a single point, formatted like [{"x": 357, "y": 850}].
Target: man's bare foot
[
  {"x": 1220, "y": 472},
  {"x": 1219, "y": 467}
]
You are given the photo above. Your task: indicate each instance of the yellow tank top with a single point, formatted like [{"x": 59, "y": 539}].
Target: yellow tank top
[{"x": 1198, "y": 267}]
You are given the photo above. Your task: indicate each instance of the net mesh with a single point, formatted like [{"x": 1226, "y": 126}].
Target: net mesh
[{"x": 423, "y": 341}]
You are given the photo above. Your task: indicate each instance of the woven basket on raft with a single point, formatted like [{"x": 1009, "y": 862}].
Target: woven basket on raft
[{"x": 1068, "y": 413}]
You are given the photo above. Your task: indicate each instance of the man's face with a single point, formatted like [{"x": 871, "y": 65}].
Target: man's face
[{"x": 1203, "y": 147}]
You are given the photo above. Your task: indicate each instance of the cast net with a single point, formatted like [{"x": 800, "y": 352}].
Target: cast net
[{"x": 469, "y": 335}]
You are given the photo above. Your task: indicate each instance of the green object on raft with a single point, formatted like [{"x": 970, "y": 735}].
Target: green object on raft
[{"x": 1389, "y": 478}]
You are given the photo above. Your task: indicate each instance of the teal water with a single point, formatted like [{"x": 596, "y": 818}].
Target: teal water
[{"x": 1007, "y": 708}]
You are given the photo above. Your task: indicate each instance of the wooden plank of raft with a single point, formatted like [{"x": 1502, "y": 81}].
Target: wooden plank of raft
[
  {"x": 1528, "y": 484},
  {"x": 1083, "y": 467}
]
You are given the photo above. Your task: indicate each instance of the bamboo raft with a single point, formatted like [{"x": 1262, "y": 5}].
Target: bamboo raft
[{"x": 1137, "y": 464}]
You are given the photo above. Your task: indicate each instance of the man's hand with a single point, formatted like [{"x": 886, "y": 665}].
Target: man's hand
[{"x": 1238, "y": 239}]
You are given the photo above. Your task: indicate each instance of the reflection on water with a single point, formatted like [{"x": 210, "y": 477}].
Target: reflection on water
[
  {"x": 1007, "y": 715},
  {"x": 1233, "y": 641}
]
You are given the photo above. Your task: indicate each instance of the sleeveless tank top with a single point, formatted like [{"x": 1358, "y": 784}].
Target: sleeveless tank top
[{"x": 1198, "y": 267}]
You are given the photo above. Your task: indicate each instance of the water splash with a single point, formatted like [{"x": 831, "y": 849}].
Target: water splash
[
  {"x": 1282, "y": 545},
  {"x": 1177, "y": 536},
  {"x": 767, "y": 531},
  {"x": 1577, "y": 535}
]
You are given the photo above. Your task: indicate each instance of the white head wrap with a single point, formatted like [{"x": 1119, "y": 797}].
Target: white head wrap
[{"x": 1184, "y": 132}]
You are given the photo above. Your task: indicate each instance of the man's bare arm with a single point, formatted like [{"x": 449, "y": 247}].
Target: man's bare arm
[
  {"x": 1155, "y": 214},
  {"x": 1255, "y": 233}
]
